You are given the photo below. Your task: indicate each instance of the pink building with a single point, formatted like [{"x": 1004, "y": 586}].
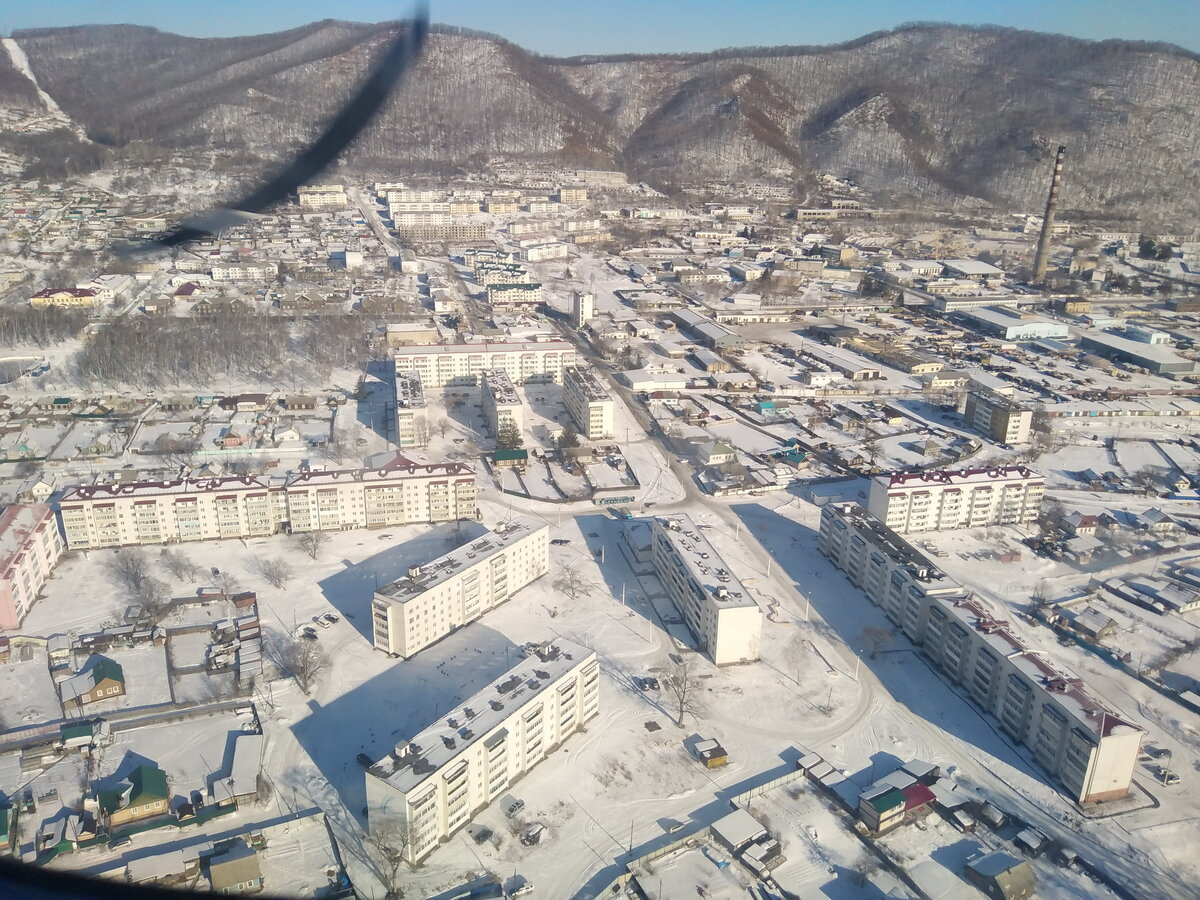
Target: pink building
[{"x": 30, "y": 545}]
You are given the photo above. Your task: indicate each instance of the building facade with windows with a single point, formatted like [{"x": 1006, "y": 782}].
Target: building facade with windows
[
  {"x": 500, "y": 402},
  {"x": 30, "y": 547},
  {"x": 163, "y": 512},
  {"x": 945, "y": 500},
  {"x": 1088, "y": 748},
  {"x": 429, "y": 787},
  {"x": 460, "y": 365},
  {"x": 441, "y": 596},
  {"x": 720, "y": 612},
  {"x": 589, "y": 403},
  {"x": 1001, "y": 418},
  {"x": 412, "y": 418}
]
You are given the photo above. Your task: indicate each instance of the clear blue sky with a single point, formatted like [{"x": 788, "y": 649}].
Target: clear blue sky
[{"x": 564, "y": 27}]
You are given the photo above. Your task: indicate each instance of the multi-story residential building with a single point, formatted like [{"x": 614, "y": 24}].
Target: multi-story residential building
[
  {"x": 583, "y": 308},
  {"x": 547, "y": 251},
  {"x": 432, "y": 785},
  {"x": 589, "y": 402},
  {"x": 322, "y": 196},
  {"x": 500, "y": 402},
  {"x": 1091, "y": 750},
  {"x": 489, "y": 274},
  {"x": 440, "y": 597},
  {"x": 1001, "y": 418},
  {"x": 572, "y": 195},
  {"x": 68, "y": 298},
  {"x": 718, "y": 609},
  {"x": 501, "y": 206},
  {"x": 460, "y": 365},
  {"x": 412, "y": 420},
  {"x": 514, "y": 296},
  {"x": 452, "y": 231},
  {"x": 404, "y": 207},
  {"x": 254, "y": 271},
  {"x": 946, "y": 499},
  {"x": 30, "y": 546},
  {"x": 418, "y": 219},
  {"x": 160, "y": 512}
]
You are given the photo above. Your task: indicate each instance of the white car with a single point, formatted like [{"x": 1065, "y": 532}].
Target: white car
[{"x": 321, "y": 621}]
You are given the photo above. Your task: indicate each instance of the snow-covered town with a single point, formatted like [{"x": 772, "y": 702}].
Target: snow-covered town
[{"x": 536, "y": 531}]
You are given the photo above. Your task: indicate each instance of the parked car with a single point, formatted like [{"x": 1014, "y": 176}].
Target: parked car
[
  {"x": 511, "y": 806},
  {"x": 309, "y": 633},
  {"x": 331, "y": 618},
  {"x": 560, "y": 542},
  {"x": 320, "y": 620},
  {"x": 480, "y": 834}
]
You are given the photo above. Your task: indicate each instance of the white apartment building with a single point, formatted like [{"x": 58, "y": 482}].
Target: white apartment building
[
  {"x": 1091, "y": 750},
  {"x": 253, "y": 271},
  {"x": 514, "y": 296},
  {"x": 460, "y": 365},
  {"x": 945, "y": 499},
  {"x": 412, "y": 419},
  {"x": 572, "y": 195},
  {"x": 500, "y": 402},
  {"x": 412, "y": 195},
  {"x": 718, "y": 609},
  {"x": 546, "y": 251},
  {"x": 440, "y": 597},
  {"x": 432, "y": 785},
  {"x": 489, "y": 274},
  {"x": 30, "y": 546},
  {"x": 322, "y": 196},
  {"x": 1001, "y": 418},
  {"x": 583, "y": 308},
  {"x": 414, "y": 219},
  {"x": 582, "y": 225},
  {"x": 589, "y": 403},
  {"x": 404, "y": 207},
  {"x": 163, "y": 512}
]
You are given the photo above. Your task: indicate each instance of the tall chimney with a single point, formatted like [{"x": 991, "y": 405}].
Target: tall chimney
[{"x": 1043, "y": 247}]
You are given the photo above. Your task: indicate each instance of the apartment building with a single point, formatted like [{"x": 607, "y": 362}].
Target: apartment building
[
  {"x": 412, "y": 419},
  {"x": 724, "y": 619},
  {"x": 583, "y": 308},
  {"x": 441, "y": 596},
  {"x": 589, "y": 402},
  {"x": 1001, "y": 418},
  {"x": 460, "y": 365},
  {"x": 547, "y": 251},
  {"x": 945, "y": 499},
  {"x": 452, "y": 231},
  {"x": 161, "y": 512},
  {"x": 1091, "y": 750},
  {"x": 432, "y": 785},
  {"x": 500, "y": 402},
  {"x": 66, "y": 298},
  {"x": 514, "y": 295},
  {"x": 322, "y": 196},
  {"x": 573, "y": 195},
  {"x": 254, "y": 271},
  {"x": 30, "y": 546}
]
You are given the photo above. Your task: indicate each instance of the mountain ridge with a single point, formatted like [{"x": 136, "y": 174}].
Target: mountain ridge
[{"x": 926, "y": 115}]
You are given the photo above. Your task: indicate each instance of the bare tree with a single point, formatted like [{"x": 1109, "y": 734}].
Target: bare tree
[
  {"x": 305, "y": 661},
  {"x": 382, "y": 851},
  {"x": 683, "y": 688},
  {"x": 311, "y": 542},
  {"x": 276, "y": 571},
  {"x": 570, "y": 581},
  {"x": 338, "y": 447},
  {"x": 130, "y": 569},
  {"x": 796, "y": 652},
  {"x": 876, "y": 638},
  {"x": 154, "y": 598},
  {"x": 442, "y": 425},
  {"x": 1147, "y": 478},
  {"x": 179, "y": 564}
]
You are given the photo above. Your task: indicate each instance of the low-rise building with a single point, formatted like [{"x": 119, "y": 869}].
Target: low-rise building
[
  {"x": 432, "y": 785},
  {"x": 65, "y": 298},
  {"x": 589, "y": 403},
  {"x": 30, "y": 547},
  {"x": 945, "y": 500},
  {"x": 1091, "y": 750},
  {"x": 142, "y": 794},
  {"x": 100, "y": 679},
  {"x": 716, "y": 606},
  {"x": 1155, "y": 358},
  {"x": 441, "y": 596}
]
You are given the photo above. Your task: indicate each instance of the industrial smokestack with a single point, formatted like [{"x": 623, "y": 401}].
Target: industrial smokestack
[{"x": 1043, "y": 247}]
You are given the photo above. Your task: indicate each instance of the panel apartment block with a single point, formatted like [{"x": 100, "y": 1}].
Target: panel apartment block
[
  {"x": 441, "y": 596},
  {"x": 460, "y": 365},
  {"x": 1091, "y": 750},
  {"x": 162, "y": 512},
  {"x": 30, "y": 546},
  {"x": 431, "y": 786},
  {"x": 500, "y": 402},
  {"x": 589, "y": 402},
  {"x": 945, "y": 499},
  {"x": 412, "y": 419},
  {"x": 1001, "y": 418},
  {"x": 718, "y": 609}
]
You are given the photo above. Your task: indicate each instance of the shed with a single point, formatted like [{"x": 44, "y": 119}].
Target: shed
[
  {"x": 1002, "y": 876},
  {"x": 235, "y": 871},
  {"x": 738, "y": 829},
  {"x": 711, "y": 753}
]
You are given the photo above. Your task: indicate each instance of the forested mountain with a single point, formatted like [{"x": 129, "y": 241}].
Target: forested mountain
[{"x": 932, "y": 115}]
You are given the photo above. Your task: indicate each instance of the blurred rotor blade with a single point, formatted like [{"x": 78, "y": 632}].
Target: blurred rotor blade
[{"x": 341, "y": 131}]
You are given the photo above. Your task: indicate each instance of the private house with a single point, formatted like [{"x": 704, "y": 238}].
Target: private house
[
  {"x": 141, "y": 795},
  {"x": 1002, "y": 876},
  {"x": 235, "y": 871},
  {"x": 100, "y": 679}
]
